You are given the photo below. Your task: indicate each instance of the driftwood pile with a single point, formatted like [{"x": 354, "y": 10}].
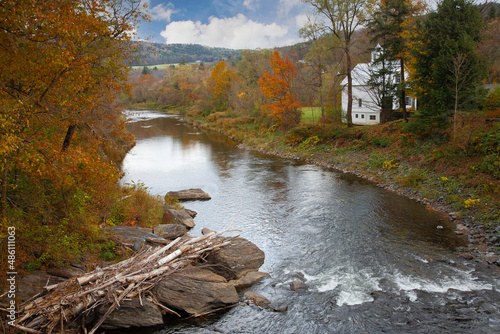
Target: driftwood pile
[{"x": 63, "y": 309}]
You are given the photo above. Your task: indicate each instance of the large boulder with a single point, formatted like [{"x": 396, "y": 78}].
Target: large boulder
[
  {"x": 28, "y": 285},
  {"x": 141, "y": 241},
  {"x": 132, "y": 314},
  {"x": 257, "y": 299},
  {"x": 130, "y": 234},
  {"x": 66, "y": 271},
  {"x": 171, "y": 216},
  {"x": 236, "y": 259},
  {"x": 170, "y": 231},
  {"x": 190, "y": 195},
  {"x": 195, "y": 291},
  {"x": 249, "y": 279}
]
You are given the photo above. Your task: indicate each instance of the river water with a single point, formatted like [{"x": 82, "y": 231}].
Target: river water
[{"x": 373, "y": 261}]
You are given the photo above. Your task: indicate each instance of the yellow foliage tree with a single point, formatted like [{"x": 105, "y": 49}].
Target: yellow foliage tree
[
  {"x": 219, "y": 86},
  {"x": 63, "y": 64}
]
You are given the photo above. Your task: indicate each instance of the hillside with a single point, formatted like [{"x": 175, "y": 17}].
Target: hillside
[{"x": 159, "y": 53}]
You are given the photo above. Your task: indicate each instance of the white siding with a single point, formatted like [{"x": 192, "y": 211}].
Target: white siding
[{"x": 361, "y": 115}]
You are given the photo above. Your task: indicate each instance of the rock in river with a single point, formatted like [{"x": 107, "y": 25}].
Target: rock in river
[
  {"x": 171, "y": 216},
  {"x": 190, "y": 195},
  {"x": 132, "y": 314},
  {"x": 236, "y": 259},
  {"x": 170, "y": 231},
  {"x": 195, "y": 291}
]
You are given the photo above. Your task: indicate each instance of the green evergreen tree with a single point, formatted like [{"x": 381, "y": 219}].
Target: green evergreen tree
[
  {"x": 145, "y": 71},
  {"x": 453, "y": 30},
  {"x": 383, "y": 86},
  {"x": 387, "y": 27}
]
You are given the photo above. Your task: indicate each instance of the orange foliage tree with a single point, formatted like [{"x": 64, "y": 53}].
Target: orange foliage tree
[
  {"x": 63, "y": 64},
  {"x": 219, "y": 86},
  {"x": 284, "y": 108}
]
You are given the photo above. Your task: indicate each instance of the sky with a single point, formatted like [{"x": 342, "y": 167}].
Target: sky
[{"x": 234, "y": 24}]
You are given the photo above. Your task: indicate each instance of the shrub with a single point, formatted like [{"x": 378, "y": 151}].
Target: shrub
[
  {"x": 376, "y": 160},
  {"x": 309, "y": 142},
  {"x": 380, "y": 141},
  {"x": 136, "y": 207},
  {"x": 297, "y": 135},
  {"x": 492, "y": 101},
  {"x": 216, "y": 115},
  {"x": 390, "y": 164},
  {"x": 413, "y": 179},
  {"x": 490, "y": 165}
]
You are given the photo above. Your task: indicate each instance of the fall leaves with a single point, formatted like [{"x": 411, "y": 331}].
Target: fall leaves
[
  {"x": 277, "y": 87},
  {"x": 261, "y": 87},
  {"x": 63, "y": 64}
]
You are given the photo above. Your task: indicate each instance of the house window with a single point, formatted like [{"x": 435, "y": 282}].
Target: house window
[
  {"x": 397, "y": 78},
  {"x": 373, "y": 118},
  {"x": 360, "y": 101},
  {"x": 362, "y": 115},
  {"x": 355, "y": 115},
  {"x": 408, "y": 101}
]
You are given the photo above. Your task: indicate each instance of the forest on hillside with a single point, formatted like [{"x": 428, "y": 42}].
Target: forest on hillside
[{"x": 149, "y": 54}]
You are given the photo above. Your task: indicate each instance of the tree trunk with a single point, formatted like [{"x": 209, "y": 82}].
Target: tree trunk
[
  {"x": 69, "y": 135},
  {"x": 349, "y": 88},
  {"x": 383, "y": 112},
  {"x": 321, "y": 93},
  {"x": 455, "y": 112},
  {"x": 403, "y": 91},
  {"x": 4, "y": 187}
]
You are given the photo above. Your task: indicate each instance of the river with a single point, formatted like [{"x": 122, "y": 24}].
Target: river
[{"x": 373, "y": 261}]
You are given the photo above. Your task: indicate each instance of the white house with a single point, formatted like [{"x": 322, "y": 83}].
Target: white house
[{"x": 366, "y": 104}]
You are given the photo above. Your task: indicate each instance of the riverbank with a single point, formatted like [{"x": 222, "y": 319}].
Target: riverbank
[{"x": 384, "y": 154}]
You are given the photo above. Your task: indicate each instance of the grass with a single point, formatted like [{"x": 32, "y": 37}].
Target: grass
[{"x": 311, "y": 115}]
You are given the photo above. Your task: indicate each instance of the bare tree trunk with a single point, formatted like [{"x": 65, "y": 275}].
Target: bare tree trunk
[
  {"x": 321, "y": 93},
  {"x": 349, "y": 88},
  {"x": 403, "y": 91},
  {"x": 69, "y": 135},
  {"x": 455, "y": 113},
  {"x": 4, "y": 187}
]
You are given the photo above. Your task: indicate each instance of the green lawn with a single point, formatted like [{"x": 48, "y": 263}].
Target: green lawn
[
  {"x": 311, "y": 115},
  {"x": 160, "y": 67}
]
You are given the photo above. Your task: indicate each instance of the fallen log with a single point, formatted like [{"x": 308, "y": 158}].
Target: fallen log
[{"x": 64, "y": 302}]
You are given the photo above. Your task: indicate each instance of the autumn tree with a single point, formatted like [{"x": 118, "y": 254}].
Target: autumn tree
[
  {"x": 63, "y": 64},
  {"x": 343, "y": 19},
  {"x": 284, "y": 107},
  {"x": 316, "y": 57},
  {"x": 489, "y": 50},
  {"x": 453, "y": 30},
  {"x": 219, "y": 86}
]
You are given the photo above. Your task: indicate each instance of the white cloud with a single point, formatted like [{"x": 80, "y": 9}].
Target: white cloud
[
  {"x": 250, "y": 4},
  {"x": 236, "y": 32},
  {"x": 162, "y": 12},
  {"x": 301, "y": 20},
  {"x": 287, "y": 5}
]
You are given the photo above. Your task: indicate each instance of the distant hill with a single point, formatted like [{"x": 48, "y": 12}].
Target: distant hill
[{"x": 159, "y": 53}]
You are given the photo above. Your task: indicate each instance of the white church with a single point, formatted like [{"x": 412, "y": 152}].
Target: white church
[{"x": 366, "y": 106}]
